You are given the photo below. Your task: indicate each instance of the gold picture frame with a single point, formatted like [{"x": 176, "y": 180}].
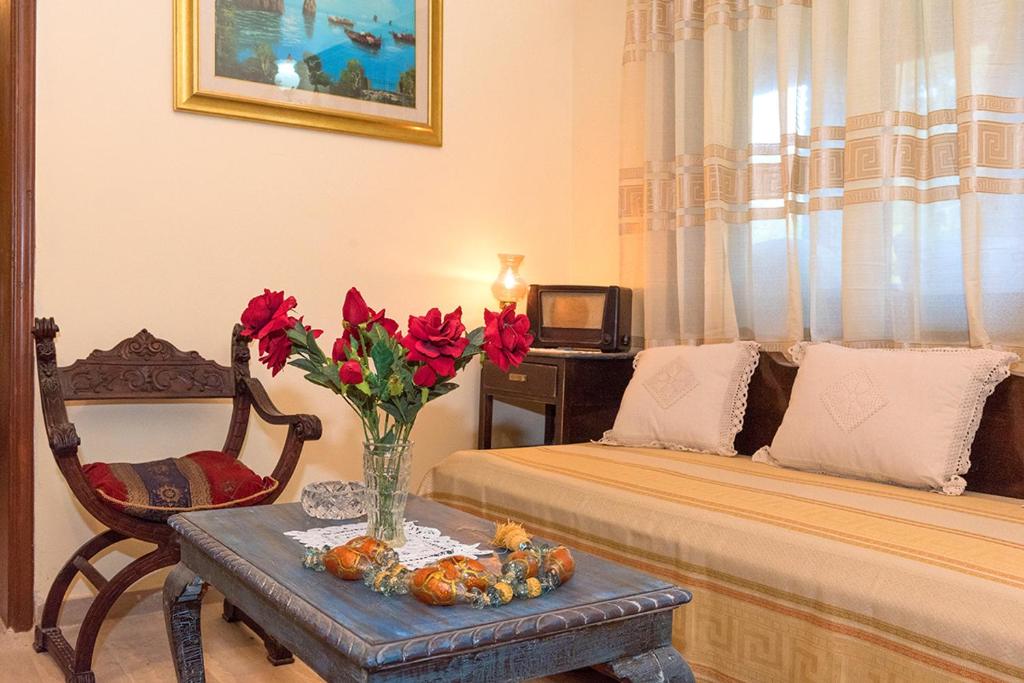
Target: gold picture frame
[{"x": 320, "y": 110}]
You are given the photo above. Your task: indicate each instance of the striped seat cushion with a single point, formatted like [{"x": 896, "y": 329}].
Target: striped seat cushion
[{"x": 161, "y": 488}]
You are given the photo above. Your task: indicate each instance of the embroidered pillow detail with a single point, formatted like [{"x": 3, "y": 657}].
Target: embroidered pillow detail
[
  {"x": 669, "y": 384},
  {"x": 686, "y": 398},
  {"x": 853, "y": 399}
]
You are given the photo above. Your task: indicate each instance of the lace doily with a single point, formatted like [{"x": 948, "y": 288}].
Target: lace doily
[{"x": 423, "y": 546}]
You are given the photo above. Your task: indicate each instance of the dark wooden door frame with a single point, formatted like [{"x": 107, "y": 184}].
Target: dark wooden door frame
[{"x": 17, "y": 180}]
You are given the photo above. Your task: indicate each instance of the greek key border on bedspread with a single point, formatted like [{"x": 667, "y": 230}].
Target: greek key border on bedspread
[{"x": 795, "y": 575}]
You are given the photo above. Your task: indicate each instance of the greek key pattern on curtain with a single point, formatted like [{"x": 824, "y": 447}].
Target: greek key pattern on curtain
[{"x": 846, "y": 170}]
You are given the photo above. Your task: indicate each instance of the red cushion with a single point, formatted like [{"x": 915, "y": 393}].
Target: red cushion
[{"x": 198, "y": 481}]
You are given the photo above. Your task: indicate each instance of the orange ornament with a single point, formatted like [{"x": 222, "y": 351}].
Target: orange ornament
[
  {"x": 448, "y": 581},
  {"x": 469, "y": 571},
  {"x": 432, "y": 585},
  {"x": 352, "y": 560},
  {"x": 372, "y": 548},
  {"x": 560, "y": 563},
  {"x": 346, "y": 562},
  {"x": 529, "y": 559}
]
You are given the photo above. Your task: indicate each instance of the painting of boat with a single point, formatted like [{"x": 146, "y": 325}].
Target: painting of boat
[
  {"x": 332, "y": 53},
  {"x": 366, "y": 39},
  {"x": 326, "y": 64}
]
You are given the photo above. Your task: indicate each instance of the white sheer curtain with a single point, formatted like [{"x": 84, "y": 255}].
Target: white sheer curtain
[{"x": 848, "y": 170}]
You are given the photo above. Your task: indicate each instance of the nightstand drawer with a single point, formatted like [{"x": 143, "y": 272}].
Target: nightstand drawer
[{"x": 529, "y": 379}]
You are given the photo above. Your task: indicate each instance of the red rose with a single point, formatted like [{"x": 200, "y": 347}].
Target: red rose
[
  {"x": 355, "y": 311},
  {"x": 425, "y": 377},
  {"x": 507, "y": 337},
  {"x": 436, "y": 342},
  {"x": 350, "y": 372},
  {"x": 338, "y": 351},
  {"x": 275, "y": 349},
  {"x": 388, "y": 324},
  {"x": 266, "y": 314}
]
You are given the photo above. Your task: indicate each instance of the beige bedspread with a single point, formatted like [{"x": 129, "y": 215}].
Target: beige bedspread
[{"x": 795, "y": 576}]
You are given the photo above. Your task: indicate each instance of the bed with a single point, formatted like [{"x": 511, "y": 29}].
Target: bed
[{"x": 796, "y": 576}]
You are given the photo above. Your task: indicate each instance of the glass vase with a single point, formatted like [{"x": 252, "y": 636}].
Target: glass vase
[{"x": 386, "y": 472}]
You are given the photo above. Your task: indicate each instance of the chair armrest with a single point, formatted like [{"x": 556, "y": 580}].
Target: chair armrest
[
  {"x": 307, "y": 427},
  {"x": 63, "y": 438}
]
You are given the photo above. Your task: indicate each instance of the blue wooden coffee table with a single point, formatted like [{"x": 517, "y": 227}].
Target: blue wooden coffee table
[{"x": 612, "y": 617}]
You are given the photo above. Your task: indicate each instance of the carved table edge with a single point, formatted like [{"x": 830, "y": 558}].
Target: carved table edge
[
  {"x": 375, "y": 656},
  {"x": 461, "y": 641},
  {"x": 306, "y": 615}
]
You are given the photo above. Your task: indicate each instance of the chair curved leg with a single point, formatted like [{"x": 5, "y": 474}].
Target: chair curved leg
[
  {"x": 163, "y": 556},
  {"x": 62, "y": 582}
]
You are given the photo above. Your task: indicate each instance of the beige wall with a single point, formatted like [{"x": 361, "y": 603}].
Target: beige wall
[
  {"x": 599, "y": 26},
  {"x": 147, "y": 217}
]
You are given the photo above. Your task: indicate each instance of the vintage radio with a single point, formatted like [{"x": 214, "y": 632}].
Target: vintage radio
[{"x": 580, "y": 317}]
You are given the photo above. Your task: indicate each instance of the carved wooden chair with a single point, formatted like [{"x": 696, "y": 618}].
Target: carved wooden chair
[{"x": 146, "y": 368}]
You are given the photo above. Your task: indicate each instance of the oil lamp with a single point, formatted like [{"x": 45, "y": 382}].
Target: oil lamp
[{"x": 509, "y": 287}]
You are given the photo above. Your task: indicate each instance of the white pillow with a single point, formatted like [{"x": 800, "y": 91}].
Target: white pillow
[
  {"x": 686, "y": 398},
  {"x": 904, "y": 416}
]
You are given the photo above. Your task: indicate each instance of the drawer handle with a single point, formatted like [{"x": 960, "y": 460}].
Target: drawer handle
[{"x": 516, "y": 377}]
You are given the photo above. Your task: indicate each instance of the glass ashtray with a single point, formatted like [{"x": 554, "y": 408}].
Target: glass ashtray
[{"x": 334, "y": 499}]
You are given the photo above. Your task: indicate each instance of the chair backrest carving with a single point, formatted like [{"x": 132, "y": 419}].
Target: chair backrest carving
[{"x": 145, "y": 367}]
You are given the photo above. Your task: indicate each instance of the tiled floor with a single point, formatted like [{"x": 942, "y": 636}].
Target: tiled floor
[{"x": 133, "y": 648}]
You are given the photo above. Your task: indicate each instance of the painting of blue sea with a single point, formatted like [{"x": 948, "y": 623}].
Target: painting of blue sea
[{"x": 361, "y": 49}]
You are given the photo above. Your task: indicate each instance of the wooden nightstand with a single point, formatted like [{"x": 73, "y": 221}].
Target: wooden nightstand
[{"x": 580, "y": 391}]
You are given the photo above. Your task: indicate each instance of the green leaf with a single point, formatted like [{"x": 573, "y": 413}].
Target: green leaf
[
  {"x": 297, "y": 335},
  {"x": 401, "y": 379},
  {"x": 473, "y": 348},
  {"x": 364, "y": 401},
  {"x": 319, "y": 380},
  {"x": 439, "y": 390},
  {"x": 378, "y": 334},
  {"x": 314, "y": 347},
  {"x": 393, "y": 410},
  {"x": 383, "y": 358},
  {"x": 476, "y": 337},
  {"x": 305, "y": 364},
  {"x": 330, "y": 372},
  {"x": 424, "y": 395}
]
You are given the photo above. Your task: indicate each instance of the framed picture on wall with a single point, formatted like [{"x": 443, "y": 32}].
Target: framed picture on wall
[{"x": 368, "y": 67}]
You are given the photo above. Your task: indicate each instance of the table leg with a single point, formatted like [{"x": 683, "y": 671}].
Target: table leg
[
  {"x": 663, "y": 664},
  {"x": 550, "y": 415},
  {"x": 483, "y": 439},
  {"x": 183, "y": 599}
]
